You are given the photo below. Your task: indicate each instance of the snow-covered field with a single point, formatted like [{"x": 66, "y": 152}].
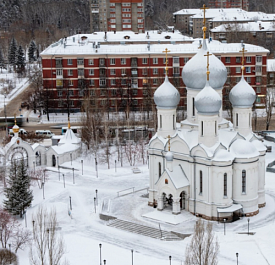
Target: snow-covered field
[{"x": 83, "y": 231}]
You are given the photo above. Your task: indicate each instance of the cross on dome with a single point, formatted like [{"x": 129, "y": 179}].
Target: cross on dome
[
  {"x": 207, "y": 67},
  {"x": 69, "y": 124},
  {"x": 204, "y": 21},
  {"x": 243, "y": 51},
  {"x": 166, "y": 61}
]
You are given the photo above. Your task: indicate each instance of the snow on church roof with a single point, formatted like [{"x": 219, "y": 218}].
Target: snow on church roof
[
  {"x": 64, "y": 148},
  {"x": 69, "y": 138},
  {"x": 243, "y": 149}
]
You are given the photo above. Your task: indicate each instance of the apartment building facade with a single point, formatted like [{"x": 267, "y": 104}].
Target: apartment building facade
[
  {"x": 125, "y": 73},
  {"x": 243, "y": 4},
  {"x": 117, "y": 15}
]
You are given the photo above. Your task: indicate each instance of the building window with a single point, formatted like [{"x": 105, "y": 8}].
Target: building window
[
  {"x": 112, "y": 61},
  {"x": 160, "y": 121},
  {"x": 227, "y": 59},
  {"x": 59, "y": 93},
  {"x": 91, "y": 72},
  {"x": 155, "y": 60},
  {"x": 59, "y": 72},
  {"x": 258, "y": 100},
  {"x": 243, "y": 181},
  {"x": 135, "y": 92},
  {"x": 155, "y": 81},
  {"x": 258, "y": 69},
  {"x": 185, "y": 60},
  {"x": 92, "y": 92},
  {"x": 113, "y": 82},
  {"x": 71, "y": 93},
  {"x": 248, "y": 69},
  {"x": 135, "y": 102},
  {"x": 80, "y": 61},
  {"x": 202, "y": 128},
  {"x": 123, "y": 60},
  {"x": 248, "y": 80},
  {"x": 176, "y": 60},
  {"x": 59, "y": 83},
  {"x": 237, "y": 119},
  {"x": 60, "y": 103},
  {"x": 101, "y": 61},
  {"x": 102, "y": 82},
  {"x": 193, "y": 106},
  {"x": 113, "y": 92},
  {"x": 71, "y": 83},
  {"x": 112, "y": 71},
  {"x": 81, "y": 93},
  {"x": 155, "y": 71},
  {"x": 258, "y": 59},
  {"x": 144, "y": 60},
  {"x": 91, "y": 61},
  {"x": 70, "y": 72},
  {"x": 225, "y": 185},
  {"x": 92, "y": 82},
  {"x": 164, "y": 61},
  {"x": 200, "y": 182},
  {"x": 238, "y": 59},
  {"x": 80, "y": 71},
  {"x": 238, "y": 79},
  {"x": 144, "y": 71},
  {"x": 58, "y": 62},
  {"x": 159, "y": 169},
  {"x": 258, "y": 89},
  {"x": 103, "y": 102},
  {"x": 70, "y": 61},
  {"x": 248, "y": 59},
  {"x": 258, "y": 80},
  {"x": 238, "y": 70}
]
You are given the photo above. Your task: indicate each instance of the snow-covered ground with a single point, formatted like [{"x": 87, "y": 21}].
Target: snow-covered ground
[{"x": 84, "y": 230}]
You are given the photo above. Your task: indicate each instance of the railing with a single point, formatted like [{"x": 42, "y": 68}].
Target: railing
[{"x": 130, "y": 189}]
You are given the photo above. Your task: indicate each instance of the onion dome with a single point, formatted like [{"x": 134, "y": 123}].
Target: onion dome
[
  {"x": 242, "y": 95},
  {"x": 208, "y": 101},
  {"x": 243, "y": 149},
  {"x": 15, "y": 128},
  {"x": 169, "y": 156},
  {"x": 194, "y": 75},
  {"x": 167, "y": 96}
]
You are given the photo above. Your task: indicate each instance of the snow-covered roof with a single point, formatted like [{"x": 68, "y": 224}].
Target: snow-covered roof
[
  {"x": 220, "y": 12},
  {"x": 256, "y": 26},
  {"x": 209, "y": 12},
  {"x": 64, "y": 148},
  {"x": 243, "y": 16},
  {"x": 69, "y": 138},
  {"x": 270, "y": 65},
  {"x": 74, "y": 48},
  {"x": 243, "y": 149}
]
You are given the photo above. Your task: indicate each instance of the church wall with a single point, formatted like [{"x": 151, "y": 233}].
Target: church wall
[
  {"x": 208, "y": 129},
  {"x": 242, "y": 123},
  {"x": 166, "y": 122},
  {"x": 191, "y": 94},
  {"x": 249, "y": 198}
]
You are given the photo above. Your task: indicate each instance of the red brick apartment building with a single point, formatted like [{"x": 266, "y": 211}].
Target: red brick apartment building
[
  {"x": 119, "y": 70},
  {"x": 243, "y": 4}
]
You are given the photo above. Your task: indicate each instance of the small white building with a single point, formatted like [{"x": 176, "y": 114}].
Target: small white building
[{"x": 205, "y": 164}]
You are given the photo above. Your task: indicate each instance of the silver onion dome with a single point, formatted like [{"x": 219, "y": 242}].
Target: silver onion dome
[
  {"x": 208, "y": 101},
  {"x": 167, "y": 96},
  {"x": 194, "y": 75},
  {"x": 242, "y": 95},
  {"x": 169, "y": 156}
]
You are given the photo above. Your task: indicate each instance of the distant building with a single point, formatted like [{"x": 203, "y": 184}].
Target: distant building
[
  {"x": 117, "y": 15},
  {"x": 190, "y": 21},
  {"x": 243, "y": 4},
  {"x": 119, "y": 70}
]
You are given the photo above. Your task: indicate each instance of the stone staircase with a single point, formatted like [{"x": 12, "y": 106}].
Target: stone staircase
[{"x": 145, "y": 230}]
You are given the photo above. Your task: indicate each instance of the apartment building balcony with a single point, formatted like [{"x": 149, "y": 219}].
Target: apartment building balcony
[
  {"x": 134, "y": 62},
  {"x": 134, "y": 72},
  {"x": 102, "y": 63}
]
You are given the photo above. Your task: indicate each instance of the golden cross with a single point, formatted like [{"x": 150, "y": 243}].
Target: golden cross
[
  {"x": 166, "y": 61},
  {"x": 204, "y": 21},
  {"x": 168, "y": 143},
  {"x": 243, "y": 51},
  {"x": 208, "y": 72},
  {"x": 69, "y": 124}
]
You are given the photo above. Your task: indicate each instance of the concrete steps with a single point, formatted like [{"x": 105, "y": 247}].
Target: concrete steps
[{"x": 144, "y": 230}]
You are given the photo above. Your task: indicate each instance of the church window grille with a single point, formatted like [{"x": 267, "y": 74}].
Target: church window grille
[
  {"x": 225, "y": 185},
  {"x": 243, "y": 181},
  {"x": 159, "y": 169},
  {"x": 200, "y": 182}
]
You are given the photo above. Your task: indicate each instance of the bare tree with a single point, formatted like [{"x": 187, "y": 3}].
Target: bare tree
[
  {"x": 48, "y": 246},
  {"x": 7, "y": 257},
  {"x": 269, "y": 101},
  {"x": 203, "y": 248}
]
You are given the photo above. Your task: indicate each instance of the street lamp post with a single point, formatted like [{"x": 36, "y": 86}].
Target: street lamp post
[
  {"x": 96, "y": 197},
  {"x": 132, "y": 256},
  {"x": 104, "y": 262},
  {"x": 237, "y": 255},
  {"x": 82, "y": 166},
  {"x": 224, "y": 220},
  {"x": 115, "y": 165},
  {"x": 170, "y": 258},
  {"x": 100, "y": 245},
  {"x": 70, "y": 202},
  {"x": 96, "y": 168},
  {"x": 43, "y": 190},
  {"x": 63, "y": 180},
  {"x": 248, "y": 220},
  {"x": 95, "y": 203},
  {"x": 73, "y": 175},
  {"x": 10, "y": 252},
  {"x": 71, "y": 155}
]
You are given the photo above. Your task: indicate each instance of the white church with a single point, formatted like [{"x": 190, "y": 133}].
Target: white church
[{"x": 205, "y": 164}]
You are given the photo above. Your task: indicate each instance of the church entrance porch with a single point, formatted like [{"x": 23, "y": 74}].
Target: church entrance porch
[{"x": 169, "y": 202}]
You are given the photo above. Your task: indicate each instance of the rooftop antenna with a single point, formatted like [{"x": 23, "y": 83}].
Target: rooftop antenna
[
  {"x": 166, "y": 61},
  {"x": 243, "y": 51},
  {"x": 204, "y": 21},
  {"x": 207, "y": 72}
]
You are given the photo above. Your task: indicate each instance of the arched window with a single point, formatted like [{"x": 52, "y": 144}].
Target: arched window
[
  {"x": 237, "y": 119},
  {"x": 243, "y": 181},
  {"x": 200, "y": 181},
  {"x": 225, "y": 185},
  {"x": 174, "y": 122},
  {"x": 193, "y": 106},
  {"x": 160, "y": 121},
  {"x": 215, "y": 127},
  {"x": 159, "y": 169},
  {"x": 202, "y": 128}
]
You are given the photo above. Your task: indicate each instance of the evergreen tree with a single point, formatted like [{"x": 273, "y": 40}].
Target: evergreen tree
[
  {"x": 2, "y": 61},
  {"x": 12, "y": 52},
  {"x": 31, "y": 51},
  {"x": 20, "y": 59},
  {"x": 18, "y": 193}
]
